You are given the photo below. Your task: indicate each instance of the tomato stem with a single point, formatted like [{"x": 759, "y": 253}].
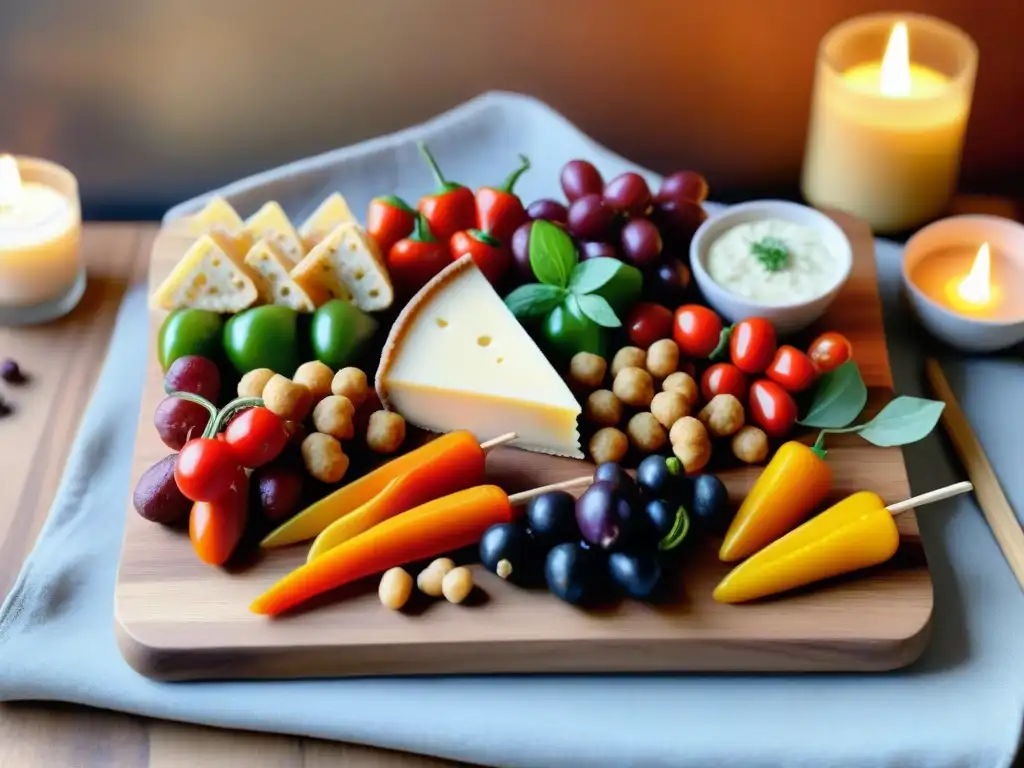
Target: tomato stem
[
  {"x": 443, "y": 183},
  {"x": 194, "y": 398},
  {"x": 231, "y": 408},
  {"x": 514, "y": 176}
]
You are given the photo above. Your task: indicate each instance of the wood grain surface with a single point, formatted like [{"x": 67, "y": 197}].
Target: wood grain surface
[{"x": 180, "y": 619}]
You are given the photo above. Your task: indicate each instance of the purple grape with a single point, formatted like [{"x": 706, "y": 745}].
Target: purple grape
[
  {"x": 521, "y": 249},
  {"x": 549, "y": 210},
  {"x": 279, "y": 488},
  {"x": 593, "y": 249},
  {"x": 684, "y": 185},
  {"x": 641, "y": 242},
  {"x": 177, "y": 420},
  {"x": 669, "y": 281},
  {"x": 156, "y": 496},
  {"x": 604, "y": 514},
  {"x": 678, "y": 219},
  {"x": 628, "y": 194},
  {"x": 580, "y": 178},
  {"x": 590, "y": 218},
  {"x": 610, "y": 472},
  {"x": 194, "y": 374}
]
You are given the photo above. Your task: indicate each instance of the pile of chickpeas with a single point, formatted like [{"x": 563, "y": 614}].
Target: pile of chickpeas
[
  {"x": 654, "y": 401},
  {"x": 329, "y": 402},
  {"x": 439, "y": 579}
]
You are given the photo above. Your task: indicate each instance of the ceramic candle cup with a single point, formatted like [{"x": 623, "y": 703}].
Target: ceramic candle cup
[{"x": 937, "y": 261}]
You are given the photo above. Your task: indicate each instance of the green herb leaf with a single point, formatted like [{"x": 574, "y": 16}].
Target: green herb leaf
[
  {"x": 838, "y": 399},
  {"x": 534, "y": 300},
  {"x": 772, "y": 253},
  {"x": 593, "y": 274},
  {"x": 598, "y": 309},
  {"x": 552, "y": 253},
  {"x": 902, "y": 421},
  {"x": 678, "y": 532}
]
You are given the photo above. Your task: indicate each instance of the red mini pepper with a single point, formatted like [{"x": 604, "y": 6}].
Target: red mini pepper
[
  {"x": 491, "y": 257},
  {"x": 498, "y": 211},
  {"x": 388, "y": 220},
  {"x": 414, "y": 260},
  {"x": 451, "y": 208}
]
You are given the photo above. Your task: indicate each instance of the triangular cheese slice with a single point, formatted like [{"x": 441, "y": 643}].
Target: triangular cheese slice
[
  {"x": 274, "y": 282},
  {"x": 328, "y": 215},
  {"x": 271, "y": 223},
  {"x": 356, "y": 260},
  {"x": 457, "y": 358},
  {"x": 218, "y": 217},
  {"x": 319, "y": 279},
  {"x": 207, "y": 277}
]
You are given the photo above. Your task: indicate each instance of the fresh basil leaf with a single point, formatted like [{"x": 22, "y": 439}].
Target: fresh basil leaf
[
  {"x": 599, "y": 310},
  {"x": 902, "y": 421},
  {"x": 838, "y": 399},
  {"x": 593, "y": 274},
  {"x": 534, "y": 300},
  {"x": 552, "y": 253}
]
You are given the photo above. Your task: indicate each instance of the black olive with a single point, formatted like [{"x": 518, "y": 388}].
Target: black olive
[
  {"x": 710, "y": 506},
  {"x": 508, "y": 550},
  {"x": 610, "y": 472},
  {"x": 551, "y": 519},
  {"x": 636, "y": 574},
  {"x": 574, "y": 574}
]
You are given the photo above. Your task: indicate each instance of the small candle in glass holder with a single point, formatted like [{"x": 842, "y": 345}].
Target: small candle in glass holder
[{"x": 41, "y": 271}]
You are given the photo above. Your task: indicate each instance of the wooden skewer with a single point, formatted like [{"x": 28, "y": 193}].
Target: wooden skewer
[
  {"x": 994, "y": 506},
  {"x": 927, "y": 498},
  {"x": 508, "y": 437},
  {"x": 565, "y": 485}
]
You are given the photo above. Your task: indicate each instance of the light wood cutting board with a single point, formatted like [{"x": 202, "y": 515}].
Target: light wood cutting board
[{"x": 179, "y": 619}]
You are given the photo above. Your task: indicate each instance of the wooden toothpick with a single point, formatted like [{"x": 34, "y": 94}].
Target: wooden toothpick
[
  {"x": 927, "y": 498},
  {"x": 565, "y": 485},
  {"x": 508, "y": 437}
]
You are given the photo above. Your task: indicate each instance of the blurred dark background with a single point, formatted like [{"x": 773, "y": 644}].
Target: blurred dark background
[{"x": 152, "y": 101}]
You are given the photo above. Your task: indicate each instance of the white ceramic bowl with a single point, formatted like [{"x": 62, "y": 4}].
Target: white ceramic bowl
[{"x": 787, "y": 318}]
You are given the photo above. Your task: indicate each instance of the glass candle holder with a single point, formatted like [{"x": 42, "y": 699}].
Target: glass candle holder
[
  {"x": 892, "y": 95},
  {"x": 42, "y": 276}
]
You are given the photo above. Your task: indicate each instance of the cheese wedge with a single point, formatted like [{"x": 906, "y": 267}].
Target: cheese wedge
[
  {"x": 457, "y": 358},
  {"x": 271, "y": 223},
  {"x": 330, "y": 213},
  {"x": 357, "y": 263},
  {"x": 317, "y": 276},
  {"x": 274, "y": 283},
  {"x": 218, "y": 217},
  {"x": 207, "y": 277}
]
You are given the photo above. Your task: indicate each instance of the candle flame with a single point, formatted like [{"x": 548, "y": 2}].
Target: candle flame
[
  {"x": 895, "y": 76},
  {"x": 10, "y": 181},
  {"x": 976, "y": 287}
]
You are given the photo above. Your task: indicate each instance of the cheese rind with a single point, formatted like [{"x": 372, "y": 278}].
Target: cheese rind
[
  {"x": 219, "y": 218},
  {"x": 457, "y": 358},
  {"x": 207, "y": 277},
  {"x": 334, "y": 210},
  {"x": 271, "y": 223},
  {"x": 357, "y": 263},
  {"x": 274, "y": 283},
  {"x": 319, "y": 279}
]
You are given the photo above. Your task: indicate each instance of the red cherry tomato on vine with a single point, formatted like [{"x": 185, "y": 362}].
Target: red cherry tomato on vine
[
  {"x": 829, "y": 351},
  {"x": 205, "y": 469},
  {"x": 696, "y": 330},
  {"x": 771, "y": 408},
  {"x": 752, "y": 344},
  {"x": 647, "y": 323},
  {"x": 791, "y": 369},
  {"x": 216, "y": 527},
  {"x": 256, "y": 436},
  {"x": 723, "y": 379}
]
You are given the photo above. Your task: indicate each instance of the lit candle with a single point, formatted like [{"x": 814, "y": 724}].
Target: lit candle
[
  {"x": 891, "y": 100},
  {"x": 41, "y": 274}
]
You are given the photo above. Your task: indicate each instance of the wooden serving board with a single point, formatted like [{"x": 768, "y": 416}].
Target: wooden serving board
[{"x": 178, "y": 619}]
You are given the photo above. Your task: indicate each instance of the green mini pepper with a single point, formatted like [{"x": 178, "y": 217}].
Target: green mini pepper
[
  {"x": 263, "y": 337},
  {"x": 340, "y": 332},
  {"x": 568, "y": 331},
  {"x": 189, "y": 332}
]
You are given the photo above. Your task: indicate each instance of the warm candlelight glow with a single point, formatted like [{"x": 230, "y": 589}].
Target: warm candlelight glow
[
  {"x": 10, "y": 181},
  {"x": 895, "y": 79},
  {"x": 976, "y": 287}
]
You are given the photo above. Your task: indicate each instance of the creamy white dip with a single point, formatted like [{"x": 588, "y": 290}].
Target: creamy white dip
[{"x": 794, "y": 264}]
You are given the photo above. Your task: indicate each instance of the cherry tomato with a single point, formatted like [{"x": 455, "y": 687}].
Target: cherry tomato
[
  {"x": 752, "y": 344},
  {"x": 791, "y": 369},
  {"x": 723, "y": 379},
  {"x": 256, "y": 436},
  {"x": 216, "y": 527},
  {"x": 829, "y": 351},
  {"x": 771, "y": 408},
  {"x": 647, "y": 323},
  {"x": 205, "y": 469},
  {"x": 697, "y": 330}
]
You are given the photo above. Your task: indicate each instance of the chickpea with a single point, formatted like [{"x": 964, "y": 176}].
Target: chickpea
[
  {"x": 723, "y": 415},
  {"x": 628, "y": 357},
  {"x": 351, "y": 383},
  {"x": 457, "y": 584},
  {"x": 669, "y": 407},
  {"x": 587, "y": 369},
  {"x": 646, "y": 433},
  {"x": 286, "y": 399},
  {"x": 395, "y": 588},
  {"x": 684, "y": 384},
  {"x": 324, "y": 458},
  {"x": 430, "y": 578},
  {"x": 634, "y": 386},
  {"x": 603, "y": 408},
  {"x": 316, "y": 377},
  {"x": 750, "y": 445},
  {"x": 690, "y": 443},
  {"x": 333, "y": 416},
  {"x": 608, "y": 444},
  {"x": 662, "y": 358},
  {"x": 252, "y": 383},
  {"x": 385, "y": 432}
]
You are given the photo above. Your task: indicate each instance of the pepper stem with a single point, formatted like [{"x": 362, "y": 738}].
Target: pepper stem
[
  {"x": 395, "y": 202},
  {"x": 442, "y": 182},
  {"x": 481, "y": 236},
  {"x": 819, "y": 445},
  {"x": 423, "y": 233},
  {"x": 680, "y": 528},
  {"x": 514, "y": 176}
]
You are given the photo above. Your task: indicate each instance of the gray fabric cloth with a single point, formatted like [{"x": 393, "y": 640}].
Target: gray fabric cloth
[{"x": 961, "y": 705}]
